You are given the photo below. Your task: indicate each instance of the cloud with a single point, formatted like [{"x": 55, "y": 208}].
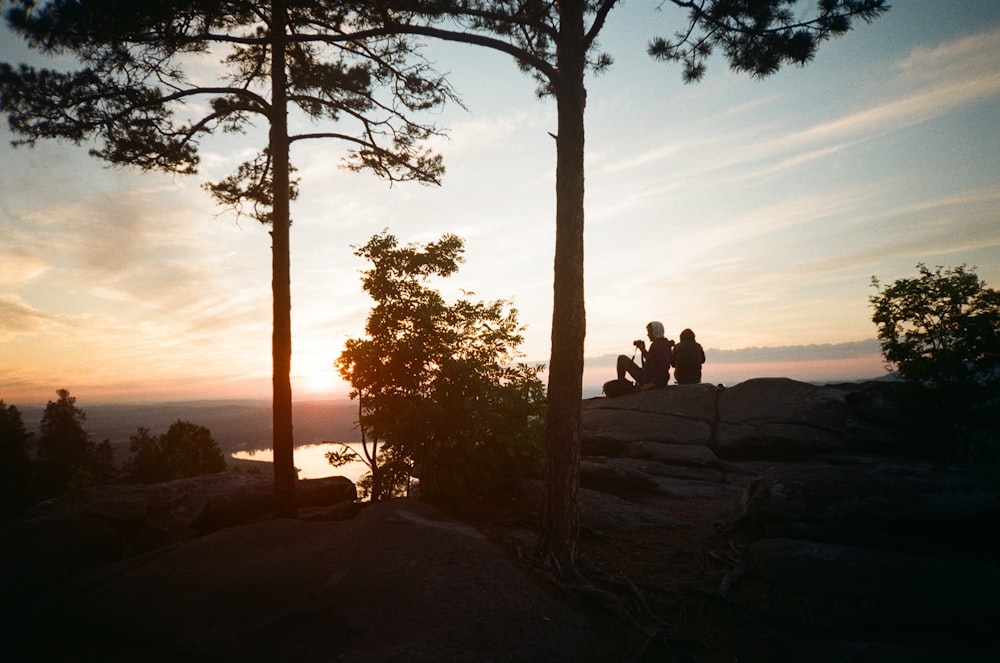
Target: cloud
[
  {"x": 19, "y": 265},
  {"x": 927, "y": 84},
  {"x": 930, "y": 83},
  {"x": 812, "y": 352},
  {"x": 783, "y": 353},
  {"x": 16, "y": 317},
  {"x": 972, "y": 57}
]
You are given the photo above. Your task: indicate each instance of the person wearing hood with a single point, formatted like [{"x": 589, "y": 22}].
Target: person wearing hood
[{"x": 655, "y": 369}]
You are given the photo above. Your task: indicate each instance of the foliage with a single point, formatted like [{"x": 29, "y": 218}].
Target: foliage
[
  {"x": 144, "y": 96},
  {"x": 438, "y": 383},
  {"x": 185, "y": 450},
  {"x": 758, "y": 37},
  {"x": 15, "y": 462},
  {"x": 389, "y": 473},
  {"x": 941, "y": 332},
  {"x": 136, "y": 92}
]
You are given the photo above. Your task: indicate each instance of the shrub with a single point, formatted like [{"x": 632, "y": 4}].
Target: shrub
[{"x": 940, "y": 333}]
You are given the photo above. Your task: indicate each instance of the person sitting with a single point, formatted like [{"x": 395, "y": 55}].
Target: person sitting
[
  {"x": 687, "y": 358},
  {"x": 655, "y": 369}
]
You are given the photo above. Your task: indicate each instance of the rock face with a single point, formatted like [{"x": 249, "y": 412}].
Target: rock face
[{"x": 827, "y": 507}]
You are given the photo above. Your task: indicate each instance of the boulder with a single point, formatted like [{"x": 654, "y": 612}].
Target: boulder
[
  {"x": 686, "y": 455},
  {"x": 637, "y": 474},
  {"x": 615, "y": 428},
  {"x": 883, "y": 502},
  {"x": 675, "y": 415},
  {"x": 59, "y": 538},
  {"x": 778, "y": 417}
]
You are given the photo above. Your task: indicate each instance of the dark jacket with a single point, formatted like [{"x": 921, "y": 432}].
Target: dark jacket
[
  {"x": 656, "y": 363},
  {"x": 688, "y": 357}
]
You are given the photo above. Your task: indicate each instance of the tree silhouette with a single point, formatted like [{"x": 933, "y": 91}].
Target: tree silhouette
[
  {"x": 438, "y": 382},
  {"x": 134, "y": 96},
  {"x": 940, "y": 331},
  {"x": 185, "y": 450},
  {"x": 555, "y": 42},
  {"x": 63, "y": 445},
  {"x": 15, "y": 462}
]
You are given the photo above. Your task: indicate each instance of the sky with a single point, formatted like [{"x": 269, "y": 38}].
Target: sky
[{"x": 755, "y": 212}]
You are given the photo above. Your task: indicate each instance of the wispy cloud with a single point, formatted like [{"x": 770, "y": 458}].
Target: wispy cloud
[
  {"x": 930, "y": 83},
  {"x": 16, "y": 318},
  {"x": 927, "y": 84},
  {"x": 19, "y": 265}
]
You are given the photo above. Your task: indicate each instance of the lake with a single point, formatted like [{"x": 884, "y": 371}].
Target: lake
[{"x": 311, "y": 460}]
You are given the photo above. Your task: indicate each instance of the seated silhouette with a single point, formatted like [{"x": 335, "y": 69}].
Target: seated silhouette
[
  {"x": 687, "y": 358},
  {"x": 654, "y": 370}
]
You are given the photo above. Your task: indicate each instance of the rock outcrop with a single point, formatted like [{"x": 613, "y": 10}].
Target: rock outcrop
[
  {"x": 817, "y": 520},
  {"x": 829, "y": 505},
  {"x": 773, "y": 418},
  {"x": 60, "y": 538}
]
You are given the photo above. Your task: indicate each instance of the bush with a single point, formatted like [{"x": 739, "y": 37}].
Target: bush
[{"x": 940, "y": 333}]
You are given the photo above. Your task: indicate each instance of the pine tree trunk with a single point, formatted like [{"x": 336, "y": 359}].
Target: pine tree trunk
[
  {"x": 281, "y": 340},
  {"x": 561, "y": 508}
]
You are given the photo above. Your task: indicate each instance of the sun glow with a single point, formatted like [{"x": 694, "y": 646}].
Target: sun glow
[{"x": 319, "y": 381}]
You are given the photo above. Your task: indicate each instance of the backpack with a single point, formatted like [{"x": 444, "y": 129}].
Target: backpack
[{"x": 616, "y": 388}]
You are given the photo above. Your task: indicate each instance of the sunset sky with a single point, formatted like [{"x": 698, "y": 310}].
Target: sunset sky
[{"x": 754, "y": 212}]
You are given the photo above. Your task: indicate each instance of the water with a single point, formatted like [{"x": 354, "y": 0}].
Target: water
[{"x": 311, "y": 460}]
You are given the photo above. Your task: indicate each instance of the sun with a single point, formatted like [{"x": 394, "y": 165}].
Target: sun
[{"x": 314, "y": 375}]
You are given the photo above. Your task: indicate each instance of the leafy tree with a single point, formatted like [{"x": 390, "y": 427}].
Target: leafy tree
[
  {"x": 185, "y": 450},
  {"x": 136, "y": 98},
  {"x": 556, "y": 43},
  {"x": 190, "y": 450},
  {"x": 437, "y": 382},
  {"x": 15, "y": 462},
  {"x": 941, "y": 332}
]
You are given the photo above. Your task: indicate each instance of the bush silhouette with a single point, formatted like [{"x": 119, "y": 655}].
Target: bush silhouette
[
  {"x": 185, "y": 450},
  {"x": 940, "y": 333}
]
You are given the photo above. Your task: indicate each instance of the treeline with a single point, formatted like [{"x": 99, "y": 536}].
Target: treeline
[{"x": 62, "y": 460}]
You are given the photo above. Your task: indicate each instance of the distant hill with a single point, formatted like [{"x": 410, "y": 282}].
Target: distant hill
[{"x": 235, "y": 424}]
